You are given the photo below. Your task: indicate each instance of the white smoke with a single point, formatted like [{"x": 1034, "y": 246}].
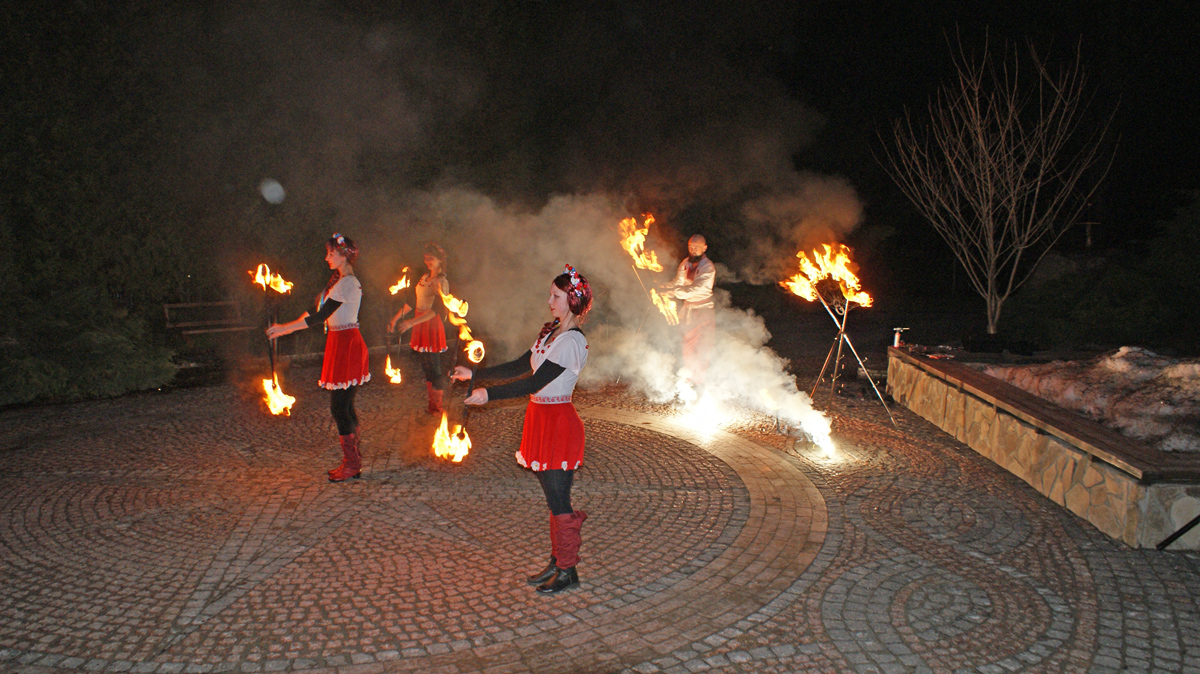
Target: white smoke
[{"x": 505, "y": 258}]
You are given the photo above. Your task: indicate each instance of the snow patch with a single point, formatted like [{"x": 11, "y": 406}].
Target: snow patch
[{"x": 1152, "y": 398}]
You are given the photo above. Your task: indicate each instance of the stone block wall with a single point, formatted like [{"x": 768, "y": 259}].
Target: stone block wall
[{"x": 1118, "y": 503}]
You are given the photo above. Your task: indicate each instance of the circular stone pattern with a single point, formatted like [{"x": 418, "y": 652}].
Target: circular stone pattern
[{"x": 263, "y": 561}]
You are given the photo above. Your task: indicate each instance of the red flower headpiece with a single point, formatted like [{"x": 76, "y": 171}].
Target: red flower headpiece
[{"x": 578, "y": 283}]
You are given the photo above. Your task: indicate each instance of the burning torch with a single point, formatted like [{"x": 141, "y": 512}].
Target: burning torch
[
  {"x": 278, "y": 401},
  {"x": 457, "y": 444},
  {"x": 394, "y": 375},
  {"x": 833, "y": 264},
  {"x": 633, "y": 240}
]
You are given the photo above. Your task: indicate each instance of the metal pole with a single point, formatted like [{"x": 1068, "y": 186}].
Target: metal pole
[
  {"x": 1182, "y": 530},
  {"x": 272, "y": 344},
  {"x": 842, "y": 335},
  {"x": 864, "y": 369}
]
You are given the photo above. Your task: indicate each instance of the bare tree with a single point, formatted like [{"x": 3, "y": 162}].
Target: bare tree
[{"x": 1001, "y": 169}]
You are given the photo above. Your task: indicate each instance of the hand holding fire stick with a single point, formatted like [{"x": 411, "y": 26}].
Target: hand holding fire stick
[{"x": 475, "y": 396}]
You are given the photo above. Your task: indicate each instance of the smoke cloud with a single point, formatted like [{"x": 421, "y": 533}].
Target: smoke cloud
[{"x": 518, "y": 140}]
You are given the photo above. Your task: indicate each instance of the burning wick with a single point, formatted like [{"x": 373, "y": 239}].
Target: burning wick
[
  {"x": 393, "y": 374},
  {"x": 278, "y": 401},
  {"x": 453, "y": 446},
  {"x": 454, "y": 305},
  {"x": 401, "y": 284},
  {"x": 834, "y": 263},
  {"x": 264, "y": 278},
  {"x": 633, "y": 240},
  {"x": 665, "y": 305}
]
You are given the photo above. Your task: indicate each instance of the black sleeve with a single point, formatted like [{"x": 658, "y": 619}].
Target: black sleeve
[
  {"x": 545, "y": 374},
  {"x": 509, "y": 370},
  {"x": 326, "y": 311}
]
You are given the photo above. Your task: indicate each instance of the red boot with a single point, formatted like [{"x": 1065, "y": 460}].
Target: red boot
[
  {"x": 351, "y": 459},
  {"x": 342, "y": 465},
  {"x": 435, "y": 399},
  {"x": 569, "y": 540}
]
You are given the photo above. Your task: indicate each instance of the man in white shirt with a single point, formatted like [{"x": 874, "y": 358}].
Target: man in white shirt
[{"x": 693, "y": 285}]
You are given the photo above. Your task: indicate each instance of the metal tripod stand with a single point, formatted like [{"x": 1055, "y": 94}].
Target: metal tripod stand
[{"x": 844, "y": 309}]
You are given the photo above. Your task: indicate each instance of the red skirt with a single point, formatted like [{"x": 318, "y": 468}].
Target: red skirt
[
  {"x": 552, "y": 438},
  {"x": 429, "y": 336},
  {"x": 345, "y": 362}
]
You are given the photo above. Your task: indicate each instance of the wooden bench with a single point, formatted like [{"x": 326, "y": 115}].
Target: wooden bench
[
  {"x": 1134, "y": 493},
  {"x": 194, "y": 318}
]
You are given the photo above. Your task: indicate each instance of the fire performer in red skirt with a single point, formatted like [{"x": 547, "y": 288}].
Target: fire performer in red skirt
[
  {"x": 552, "y": 438},
  {"x": 428, "y": 331},
  {"x": 345, "y": 366}
]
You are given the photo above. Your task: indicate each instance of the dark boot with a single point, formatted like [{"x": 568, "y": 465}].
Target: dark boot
[
  {"x": 569, "y": 540},
  {"x": 548, "y": 572},
  {"x": 351, "y": 459},
  {"x": 435, "y": 399},
  {"x": 562, "y": 579}
]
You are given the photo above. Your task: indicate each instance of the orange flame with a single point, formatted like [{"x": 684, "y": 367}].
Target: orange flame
[
  {"x": 278, "y": 401},
  {"x": 834, "y": 263},
  {"x": 402, "y": 283},
  {"x": 447, "y": 445},
  {"x": 666, "y": 305},
  {"x": 475, "y": 351},
  {"x": 633, "y": 240},
  {"x": 264, "y": 278},
  {"x": 455, "y": 305},
  {"x": 464, "y": 332},
  {"x": 393, "y": 375}
]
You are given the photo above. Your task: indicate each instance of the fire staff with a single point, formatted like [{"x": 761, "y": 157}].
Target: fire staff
[
  {"x": 429, "y": 333},
  {"x": 693, "y": 284},
  {"x": 552, "y": 438},
  {"x": 345, "y": 366}
]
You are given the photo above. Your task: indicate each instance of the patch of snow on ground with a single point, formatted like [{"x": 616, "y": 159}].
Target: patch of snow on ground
[{"x": 1143, "y": 395}]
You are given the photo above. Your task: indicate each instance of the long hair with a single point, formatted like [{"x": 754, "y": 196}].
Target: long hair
[
  {"x": 345, "y": 246},
  {"x": 579, "y": 296},
  {"x": 434, "y": 250}
]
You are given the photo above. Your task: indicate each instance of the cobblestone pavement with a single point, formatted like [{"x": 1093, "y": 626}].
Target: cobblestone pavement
[{"x": 191, "y": 532}]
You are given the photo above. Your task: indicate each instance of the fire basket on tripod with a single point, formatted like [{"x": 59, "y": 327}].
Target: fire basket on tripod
[{"x": 829, "y": 277}]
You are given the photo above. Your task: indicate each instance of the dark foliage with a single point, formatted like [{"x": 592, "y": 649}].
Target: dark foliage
[{"x": 1143, "y": 296}]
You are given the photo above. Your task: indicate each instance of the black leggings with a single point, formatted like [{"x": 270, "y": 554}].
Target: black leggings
[
  {"x": 341, "y": 404},
  {"x": 431, "y": 365},
  {"x": 556, "y": 484}
]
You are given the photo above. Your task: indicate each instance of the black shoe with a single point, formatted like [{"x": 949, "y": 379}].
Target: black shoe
[
  {"x": 543, "y": 575},
  {"x": 563, "y": 579}
]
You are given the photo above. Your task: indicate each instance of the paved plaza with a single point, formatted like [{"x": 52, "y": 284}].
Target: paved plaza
[{"x": 190, "y": 532}]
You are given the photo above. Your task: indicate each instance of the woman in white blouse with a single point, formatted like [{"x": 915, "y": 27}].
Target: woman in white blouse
[
  {"x": 552, "y": 438},
  {"x": 345, "y": 366}
]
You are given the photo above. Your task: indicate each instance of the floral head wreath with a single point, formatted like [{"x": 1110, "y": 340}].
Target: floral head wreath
[{"x": 578, "y": 284}]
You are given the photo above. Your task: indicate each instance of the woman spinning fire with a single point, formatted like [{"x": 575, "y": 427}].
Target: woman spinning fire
[
  {"x": 345, "y": 366},
  {"x": 429, "y": 334},
  {"x": 552, "y": 438}
]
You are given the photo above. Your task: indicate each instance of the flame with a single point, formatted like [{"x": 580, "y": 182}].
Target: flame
[
  {"x": 278, "y": 401},
  {"x": 475, "y": 351},
  {"x": 393, "y": 375},
  {"x": 834, "y": 263},
  {"x": 455, "y": 305},
  {"x": 264, "y": 278},
  {"x": 633, "y": 240},
  {"x": 453, "y": 446},
  {"x": 402, "y": 283},
  {"x": 464, "y": 332},
  {"x": 666, "y": 305}
]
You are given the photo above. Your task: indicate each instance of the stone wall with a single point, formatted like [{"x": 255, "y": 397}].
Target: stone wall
[{"x": 1084, "y": 472}]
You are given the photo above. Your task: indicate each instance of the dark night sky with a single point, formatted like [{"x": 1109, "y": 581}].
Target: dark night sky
[{"x": 756, "y": 123}]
